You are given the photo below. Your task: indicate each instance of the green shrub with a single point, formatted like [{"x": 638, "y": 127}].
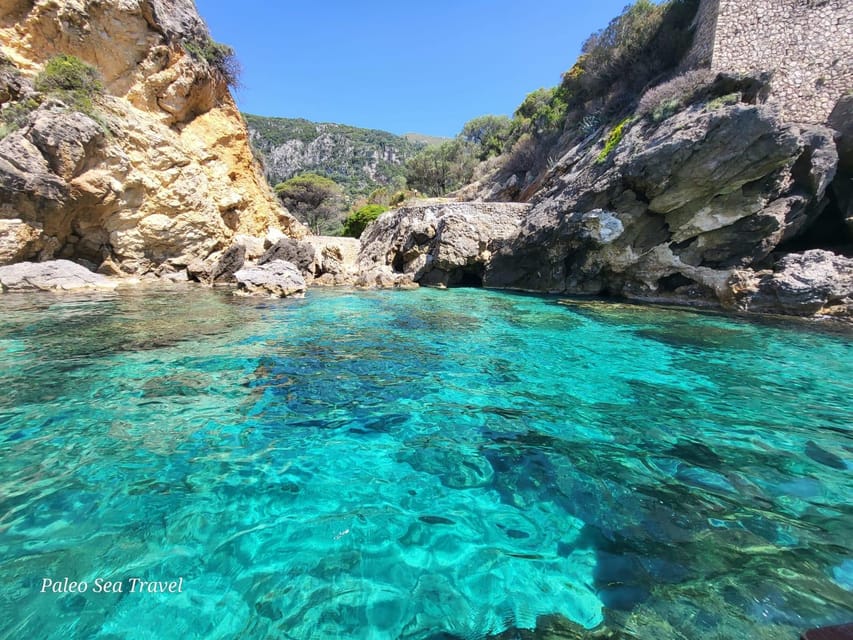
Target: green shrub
[
  {"x": 644, "y": 42},
  {"x": 666, "y": 109},
  {"x": 218, "y": 56},
  {"x": 613, "y": 140},
  {"x": 357, "y": 221},
  {"x": 488, "y": 133},
  {"x": 14, "y": 115},
  {"x": 725, "y": 101},
  {"x": 542, "y": 111},
  {"x": 70, "y": 80},
  {"x": 400, "y": 197}
]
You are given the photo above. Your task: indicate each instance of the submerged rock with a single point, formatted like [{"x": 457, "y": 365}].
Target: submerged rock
[
  {"x": 277, "y": 279},
  {"x": 55, "y": 275}
]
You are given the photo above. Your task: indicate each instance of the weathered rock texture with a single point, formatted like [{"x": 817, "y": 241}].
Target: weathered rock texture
[
  {"x": 435, "y": 243},
  {"x": 163, "y": 174},
  {"x": 54, "y": 275},
  {"x": 810, "y": 283},
  {"x": 677, "y": 210},
  {"x": 806, "y": 44},
  {"x": 277, "y": 279}
]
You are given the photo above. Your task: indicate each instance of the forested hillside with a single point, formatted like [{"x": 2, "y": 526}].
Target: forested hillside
[{"x": 359, "y": 160}]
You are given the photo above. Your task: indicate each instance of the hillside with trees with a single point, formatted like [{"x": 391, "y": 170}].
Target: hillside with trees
[{"x": 358, "y": 160}]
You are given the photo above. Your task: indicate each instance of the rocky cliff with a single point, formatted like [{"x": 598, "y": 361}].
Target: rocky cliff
[
  {"x": 717, "y": 204},
  {"x": 156, "y": 172},
  {"x": 721, "y": 203}
]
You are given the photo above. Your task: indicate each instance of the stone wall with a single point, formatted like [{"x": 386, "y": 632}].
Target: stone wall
[
  {"x": 705, "y": 27},
  {"x": 807, "y": 44}
]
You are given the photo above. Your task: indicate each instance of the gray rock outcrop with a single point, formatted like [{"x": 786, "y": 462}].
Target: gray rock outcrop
[
  {"x": 335, "y": 260},
  {"x": 297, "y": 252},
  {"x": 54, "y": 275},
  {"x": 802, "y": 284},
  {"x": 435, "y": 243},
  {"x": 276, "y": 279},
  {"x": 676, "y": 209}
]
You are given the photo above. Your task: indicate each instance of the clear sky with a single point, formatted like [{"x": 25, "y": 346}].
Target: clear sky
[{"x": 425, "y": 66}]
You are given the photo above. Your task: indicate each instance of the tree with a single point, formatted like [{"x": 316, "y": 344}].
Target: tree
[
  {"x": 439, "y": 169},
  {"x": 316, "y": 200},
  {"x": 488, "y": 133},
  {"x": 357, "y": 221}
]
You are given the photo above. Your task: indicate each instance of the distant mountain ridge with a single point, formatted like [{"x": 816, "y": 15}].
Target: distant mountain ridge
[{"x": 360, "y": 160}]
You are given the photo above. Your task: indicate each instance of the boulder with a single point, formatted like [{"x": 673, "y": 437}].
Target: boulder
[
  {"x": 436, "y": 243},
  {"x": 298, "y": 252},
  {"x": 253, "y": 245},
  {"x": 55, "y": 275},
  {"x": 276, "y": 279},
  {"x": 229, "y": 264},
  {"x": 335, "y": 260},
  {"x": 815, "y": 282}
]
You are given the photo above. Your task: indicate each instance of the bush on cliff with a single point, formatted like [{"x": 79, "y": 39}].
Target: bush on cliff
[
  {"x": 616, "y": 63},
  {"x": 218, "y": 56},
  {"x": 70, "y": 80},
  {"x": 357, "y": 221},
  {"x": 666, "y": 99}
]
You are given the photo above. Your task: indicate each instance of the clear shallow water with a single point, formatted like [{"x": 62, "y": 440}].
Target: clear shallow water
[{"x": 405, "y": 465}]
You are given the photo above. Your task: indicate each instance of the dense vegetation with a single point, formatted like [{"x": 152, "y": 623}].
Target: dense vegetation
[
  {"x": 357, "y": 221},
  {"x": 316, "y": 200}
]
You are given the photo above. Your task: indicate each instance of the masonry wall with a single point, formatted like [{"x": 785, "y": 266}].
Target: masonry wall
[
  {"x": 807, "y": 44},
  {"x": 704, "y": 33}
]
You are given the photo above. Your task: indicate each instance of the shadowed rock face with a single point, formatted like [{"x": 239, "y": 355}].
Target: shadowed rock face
[
  {"x": 680, "y": 208},
  {"x": 699, "y": 209},
  {"x": 160, "y": 174}
]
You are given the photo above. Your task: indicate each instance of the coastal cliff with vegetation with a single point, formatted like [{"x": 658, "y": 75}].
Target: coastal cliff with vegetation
[
  {"x": 122, "y": 148},
  {"x": 655, "y": 173}
]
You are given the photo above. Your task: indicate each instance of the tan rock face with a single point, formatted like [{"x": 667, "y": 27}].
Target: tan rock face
[{"x": 164, "y": 171}]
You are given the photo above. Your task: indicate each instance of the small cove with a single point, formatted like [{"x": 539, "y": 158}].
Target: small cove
[{"x": 411, "y": 464}]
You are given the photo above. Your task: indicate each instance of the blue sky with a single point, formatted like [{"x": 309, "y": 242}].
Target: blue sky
[{"x": 406, "y": 66}]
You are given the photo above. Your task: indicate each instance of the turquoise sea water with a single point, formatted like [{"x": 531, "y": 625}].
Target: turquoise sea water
[{"x": 419, "y": 465}]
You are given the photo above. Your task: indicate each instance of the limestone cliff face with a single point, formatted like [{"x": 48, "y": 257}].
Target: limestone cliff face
[{"x": 160, "y": 174}]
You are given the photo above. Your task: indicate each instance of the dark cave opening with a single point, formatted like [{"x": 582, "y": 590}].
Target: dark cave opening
[
  {"x": 829, "y": 231},
  {"x": 471, "y": 277}
]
